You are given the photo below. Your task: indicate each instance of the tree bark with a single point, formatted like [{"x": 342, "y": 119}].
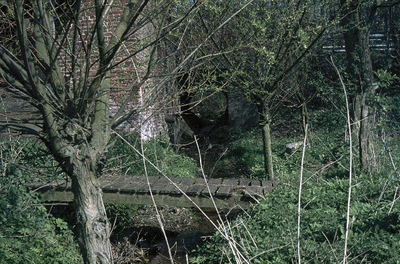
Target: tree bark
[
  {"x": 80, "y": 155},
  {"x": 365, "y": 120},
  {"x": 93, "y": 223},
  {"x": 360, "y": 76},
  {"x": 93, "y": 226},
  {"x": 266, "y": 138}
]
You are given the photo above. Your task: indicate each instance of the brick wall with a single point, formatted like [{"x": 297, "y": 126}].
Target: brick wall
[{"x": 149, "y": 122}]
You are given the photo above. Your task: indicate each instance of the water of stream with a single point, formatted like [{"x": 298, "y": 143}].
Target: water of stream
[{"x": 181, "y": 242}]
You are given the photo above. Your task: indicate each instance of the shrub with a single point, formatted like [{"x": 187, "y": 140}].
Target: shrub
[{"x": 121, "y": 214}]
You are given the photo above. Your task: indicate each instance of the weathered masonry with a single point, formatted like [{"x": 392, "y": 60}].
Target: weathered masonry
[{"x": 185, "y": 192}]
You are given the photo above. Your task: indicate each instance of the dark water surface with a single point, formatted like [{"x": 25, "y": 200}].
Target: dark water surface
[
  {"x": 186, "y": 230},
  {"x": 182, "y": 244}
]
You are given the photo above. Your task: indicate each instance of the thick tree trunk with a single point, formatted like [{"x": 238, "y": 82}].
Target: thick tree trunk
[
  {"x": 266, "y": 137},
  {"x": 359, "y": 68},
  {"x": 92, "y": 223},
  {"x": 364, "y": 122}
]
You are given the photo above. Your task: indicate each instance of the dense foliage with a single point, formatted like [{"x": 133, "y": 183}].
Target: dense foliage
[
  {"x": 28, "y": 234},
  {"x": 269, "y": 235}
]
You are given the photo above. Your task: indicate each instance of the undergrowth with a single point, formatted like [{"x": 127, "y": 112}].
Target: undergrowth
[
  {"x": 326, "y": 151},
  {"x": 124, "y": 160},
  {"x": 28, "y": 234},
  {"x": 268, "y": 234}
]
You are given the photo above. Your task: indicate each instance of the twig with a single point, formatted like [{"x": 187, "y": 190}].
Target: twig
[
  {"x": 389, "y": 152},
  {"x": 350, "y": 165},
  {"x": 155, "y": 206},
  {"x": 219, "y": 158},
  {"x": 231, "y": 242},
  {"x": 394, "y": 199},
  {"x": 299, "y": 199},
  {"x": 222, "y": 232},
  {"x": 330, "y": 245}
]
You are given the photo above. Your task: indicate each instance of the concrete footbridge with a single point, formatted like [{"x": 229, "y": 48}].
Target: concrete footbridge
[{"x": 224, "y": 193}]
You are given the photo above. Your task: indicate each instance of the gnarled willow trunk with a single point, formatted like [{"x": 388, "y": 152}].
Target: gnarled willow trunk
[
  {"x": 93, "y": 225},
  {"x": 80, "y": 154}
]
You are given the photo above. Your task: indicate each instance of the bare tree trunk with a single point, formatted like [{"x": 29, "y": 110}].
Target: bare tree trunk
[
  {"x": 266, "y": 137},
  {"x": 359, "y": 67},
  {"x": 83, "y": 163},
  {"x": 366, "y": 121},
  {"x": 93, "y": 224}
]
